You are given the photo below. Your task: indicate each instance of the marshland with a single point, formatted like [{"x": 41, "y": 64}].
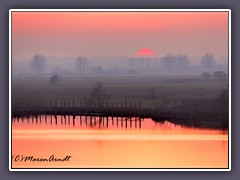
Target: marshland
[{"x": 188, "y": 100}]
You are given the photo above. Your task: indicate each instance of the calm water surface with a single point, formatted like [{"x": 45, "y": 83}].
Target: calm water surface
[{"x": 118, "y": 143}]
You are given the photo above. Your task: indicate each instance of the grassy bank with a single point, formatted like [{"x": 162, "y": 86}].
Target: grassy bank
[{"x": 190, "y": 100}]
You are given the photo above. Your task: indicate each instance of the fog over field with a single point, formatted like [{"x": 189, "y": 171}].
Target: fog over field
[
  {"x": 118, "y": 65},
  {"x": 119, "y": 43}
]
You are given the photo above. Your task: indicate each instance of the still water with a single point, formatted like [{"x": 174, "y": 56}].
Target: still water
[{"x": 121, "y": 143}]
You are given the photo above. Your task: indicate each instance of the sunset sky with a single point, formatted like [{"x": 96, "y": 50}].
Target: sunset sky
[{"x": 118, "y": 33}]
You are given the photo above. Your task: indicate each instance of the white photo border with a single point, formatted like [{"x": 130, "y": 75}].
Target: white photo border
[{"x": 118, "y": 10}]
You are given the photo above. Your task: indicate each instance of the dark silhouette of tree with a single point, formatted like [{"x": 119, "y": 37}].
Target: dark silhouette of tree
[
  {"x": 98, "y": 94},
  {"x": 206, "y": 75},
  {"x": 153, "y": 96},
  {"x": 220, "y": 75},
  {"x": 182, "y": 62},
  {"x": 173, "y": 63},
  {"x": 168, "y": 62},
  {"x": 38, "y": 63},
  {"x": 99, "y": 70},
  {"x": 81, "y": 64},
  {"x": 208, "y": 62},
  {"x": 55, "y": 79}
]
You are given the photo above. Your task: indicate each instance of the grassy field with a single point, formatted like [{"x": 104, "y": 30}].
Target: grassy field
[
  {"x": 186, "y": 94},
  {"x": 118, "y": 88}
]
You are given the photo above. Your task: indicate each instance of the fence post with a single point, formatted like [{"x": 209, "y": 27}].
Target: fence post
[
  {"x": 100, "y": 121},
  {"x": 126, "y": 122},
  {"x": 107, "y": 121},
  {"x": 135, "y": 122},
  {"x": 73, "y": 120},
  {"x": 80, "y": 119},
  {"x": 95, "y": 121},
  {"x": 130, "y": 121},
  {"x": 56, "y": 119},
  {"x": 90, "y": 120}
]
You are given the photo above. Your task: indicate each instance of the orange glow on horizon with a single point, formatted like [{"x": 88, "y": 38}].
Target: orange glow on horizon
[
  {"x": 118, "y": 33},
  {"x": 145, "y": 52}
]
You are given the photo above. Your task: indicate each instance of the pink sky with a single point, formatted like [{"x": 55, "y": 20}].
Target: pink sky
[{"x": 118, "y": 33}]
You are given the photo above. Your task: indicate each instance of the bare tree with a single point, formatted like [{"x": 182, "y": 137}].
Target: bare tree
[
  {"x": 182, "y": 62},
  {"x": 55, "y": 79},
  {"x": 173, "y": 63},
  {"x": 81, "y": 64},
  {"x": 153, "y": 96},
  {"x": 206, "y": 75},
  {"x": 98, "y": 93},
  {"x": 220, "y": 75},
  {"x": 208, "y": 62},
  {"x": 38, "y": 63},
  {"x": 168, "y": 62},
  {"x": 160, "y": 100}
]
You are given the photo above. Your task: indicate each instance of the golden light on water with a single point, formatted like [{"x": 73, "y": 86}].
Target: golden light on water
[
  {"x": 114, "y": 135},
  {"x": 151, "y": 146}
]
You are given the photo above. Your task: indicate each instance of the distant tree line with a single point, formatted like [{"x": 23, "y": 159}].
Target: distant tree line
[
  {"x": 217, "y": 74},
  {"x": 170, "y": 64},
  {"x": 81, "y": 64},
  {"x": 175, "y": 63},
  {"x": 38, "y": 64},
  {"x": 208, "y": 62}
]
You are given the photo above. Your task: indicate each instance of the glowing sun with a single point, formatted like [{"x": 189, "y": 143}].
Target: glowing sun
[{"x": 146, "y": 52}]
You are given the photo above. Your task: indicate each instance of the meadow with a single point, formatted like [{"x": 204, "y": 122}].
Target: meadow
[{"x": 195, "y": 101}]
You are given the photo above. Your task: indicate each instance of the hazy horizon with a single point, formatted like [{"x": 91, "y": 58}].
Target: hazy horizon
[{"x": 72, "y": 34}]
